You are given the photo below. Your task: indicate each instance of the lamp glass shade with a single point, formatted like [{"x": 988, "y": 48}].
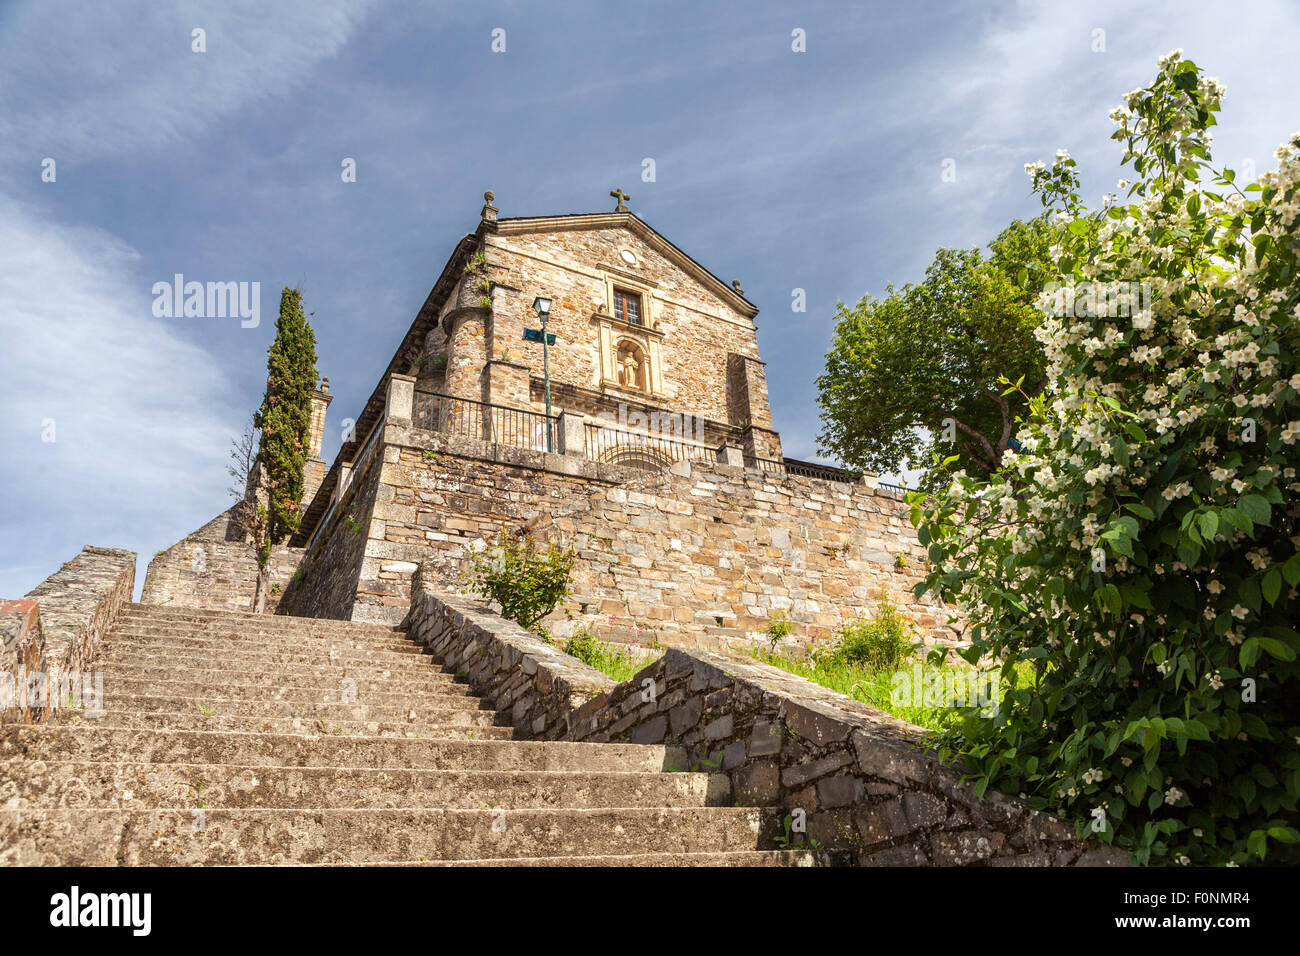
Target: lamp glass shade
[{"x": 541, "y": 306}]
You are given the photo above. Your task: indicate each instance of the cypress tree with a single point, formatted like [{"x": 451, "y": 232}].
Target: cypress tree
[{"x": 285, "y": 418}]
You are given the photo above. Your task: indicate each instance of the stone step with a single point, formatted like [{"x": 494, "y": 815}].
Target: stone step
[
  {"x": 735, "y": 858},
  {"x": 88, "y": 837},
  {"x": 120, "y": 649},
  {"x": 336, "y": 694},
  {"x": 377, "y": 680},
  {"x": 290, "y": 641},
  {"x": 232, "y": 618},
  {"x": 290, "y": 750},
  {"x": 434, "y": 710},
  {"x": 29, "y": 785},
  {"x": 466, "y": 724}
]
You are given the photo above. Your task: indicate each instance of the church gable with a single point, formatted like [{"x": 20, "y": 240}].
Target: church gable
[{"x": 636, "y": 319}]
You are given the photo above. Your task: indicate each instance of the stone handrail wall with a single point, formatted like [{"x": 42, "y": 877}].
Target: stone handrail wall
[
  {"x": 541, "y": 686},
  {"x": 862, "y": 778},
  {"x": 73, "y": 609},
  {"x": 22, "y": 652}
]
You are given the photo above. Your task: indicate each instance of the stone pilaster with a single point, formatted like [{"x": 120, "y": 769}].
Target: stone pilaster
[
  {"x": 401, "y": 399},
  {"x": 505, "y": 382},
  {"x": 762, "y": 443},
  {"x": 747, "y": 401}
]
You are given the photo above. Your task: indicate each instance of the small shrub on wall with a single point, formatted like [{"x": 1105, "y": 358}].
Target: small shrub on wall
[
  {"x": 526, "y": 582},
  {"x": 1142, "y": 550}
]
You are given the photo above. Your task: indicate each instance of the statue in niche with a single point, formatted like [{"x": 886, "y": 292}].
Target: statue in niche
[{"x": 631, "y": 368}]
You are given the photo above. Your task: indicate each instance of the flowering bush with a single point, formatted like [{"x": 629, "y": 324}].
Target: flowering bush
[{"x": 1141, "y": 551}]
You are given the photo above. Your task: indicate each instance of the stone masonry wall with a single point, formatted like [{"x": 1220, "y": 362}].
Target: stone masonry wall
[
  {"x": 57, "y": 628},
  {"x": 442, "y": 496},
  {"x": 860, "y": 778},
  {"x": 215, "y": 567},
  {"x": 706, "y": 555},
  {"x": 327, "y": 582}
]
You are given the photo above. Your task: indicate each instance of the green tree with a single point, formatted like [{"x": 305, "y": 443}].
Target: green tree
[
  {"x": 285, "y": 420},
  {"x": 914, "y": 377},
  {"x": 1142, "y": 552}
]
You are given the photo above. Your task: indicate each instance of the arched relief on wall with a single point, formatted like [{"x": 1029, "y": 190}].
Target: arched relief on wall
[
  {"x": 629, "y": 357},
  {"x": 633, "y": 365}
]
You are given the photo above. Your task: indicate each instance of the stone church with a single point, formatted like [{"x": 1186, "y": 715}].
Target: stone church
[
  {"x": 381, "y": 717},
  {"x": 582, "y": 379}
]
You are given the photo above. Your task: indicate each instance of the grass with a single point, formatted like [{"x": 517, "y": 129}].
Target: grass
[
  {"x": 610, "y": 659},
  {"x": 873, "y": 684},
  {"x": 868, "y": 684}
]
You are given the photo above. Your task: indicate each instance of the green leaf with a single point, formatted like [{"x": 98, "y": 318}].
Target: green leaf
[
  {"x": 1276, "y": 648},
  {"x": 1255, "y": 507},
  {"x": 1271, "y": 587},
  {"x": 1291, "y": 570}
]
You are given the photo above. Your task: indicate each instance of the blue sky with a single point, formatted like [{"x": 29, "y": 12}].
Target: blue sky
[{"x": 820, "y": 170}]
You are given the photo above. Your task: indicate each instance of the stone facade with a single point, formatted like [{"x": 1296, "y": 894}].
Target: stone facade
[
  {"x": 693, "y": 328},
  {"x": 860, "y": 779},
  {"x": 215, "y": 567}
]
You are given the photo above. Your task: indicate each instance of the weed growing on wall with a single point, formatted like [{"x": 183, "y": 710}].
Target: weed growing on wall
[{"x": 526, "y": 583}]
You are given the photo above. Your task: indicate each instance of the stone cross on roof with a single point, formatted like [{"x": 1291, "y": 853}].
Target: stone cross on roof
[{"x": 622, "y": 198}]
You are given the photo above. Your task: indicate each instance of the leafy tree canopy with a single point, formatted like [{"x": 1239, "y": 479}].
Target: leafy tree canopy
[{"x": 915, "y": 376}]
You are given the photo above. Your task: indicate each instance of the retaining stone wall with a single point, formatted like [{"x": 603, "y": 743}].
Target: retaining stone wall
[
  {"x": 861, "y": 777},
  {"x": 328, "y": 584},
  {"x": 706, "y": 555}
]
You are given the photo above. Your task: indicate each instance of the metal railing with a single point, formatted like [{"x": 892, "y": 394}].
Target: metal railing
[
  {"x": 769, "y": 466},
  {"x": 615, "y": 446},
  {"x": 340, "y": 490},
  {"x": 467, "y": 418},
  {"x": 808, "y": 469},
  {"x": 893, "y": 487}
]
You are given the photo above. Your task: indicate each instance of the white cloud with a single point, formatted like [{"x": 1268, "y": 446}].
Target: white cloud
[{"x": 142, "y": 416}]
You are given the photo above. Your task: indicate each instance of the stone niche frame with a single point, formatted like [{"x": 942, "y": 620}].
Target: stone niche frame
[{"x": 613, "y": 333}]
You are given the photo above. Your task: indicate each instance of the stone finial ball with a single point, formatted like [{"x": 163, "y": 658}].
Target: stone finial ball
[{"x": 489, "y": 195}]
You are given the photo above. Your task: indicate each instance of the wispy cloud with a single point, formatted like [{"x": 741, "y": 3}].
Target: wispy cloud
[
  {"x": 140, "y": 419},
  {"x": 123, "y": 77}
]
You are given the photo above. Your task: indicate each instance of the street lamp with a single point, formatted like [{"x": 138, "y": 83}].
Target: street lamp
[{"x": 542, "y": 306}]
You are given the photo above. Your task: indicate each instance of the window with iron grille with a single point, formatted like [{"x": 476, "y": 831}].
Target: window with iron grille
[{"x": 627, "y": 306}]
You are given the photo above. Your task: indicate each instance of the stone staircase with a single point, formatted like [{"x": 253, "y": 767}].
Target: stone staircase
[{"x": 234, "y": 738}]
